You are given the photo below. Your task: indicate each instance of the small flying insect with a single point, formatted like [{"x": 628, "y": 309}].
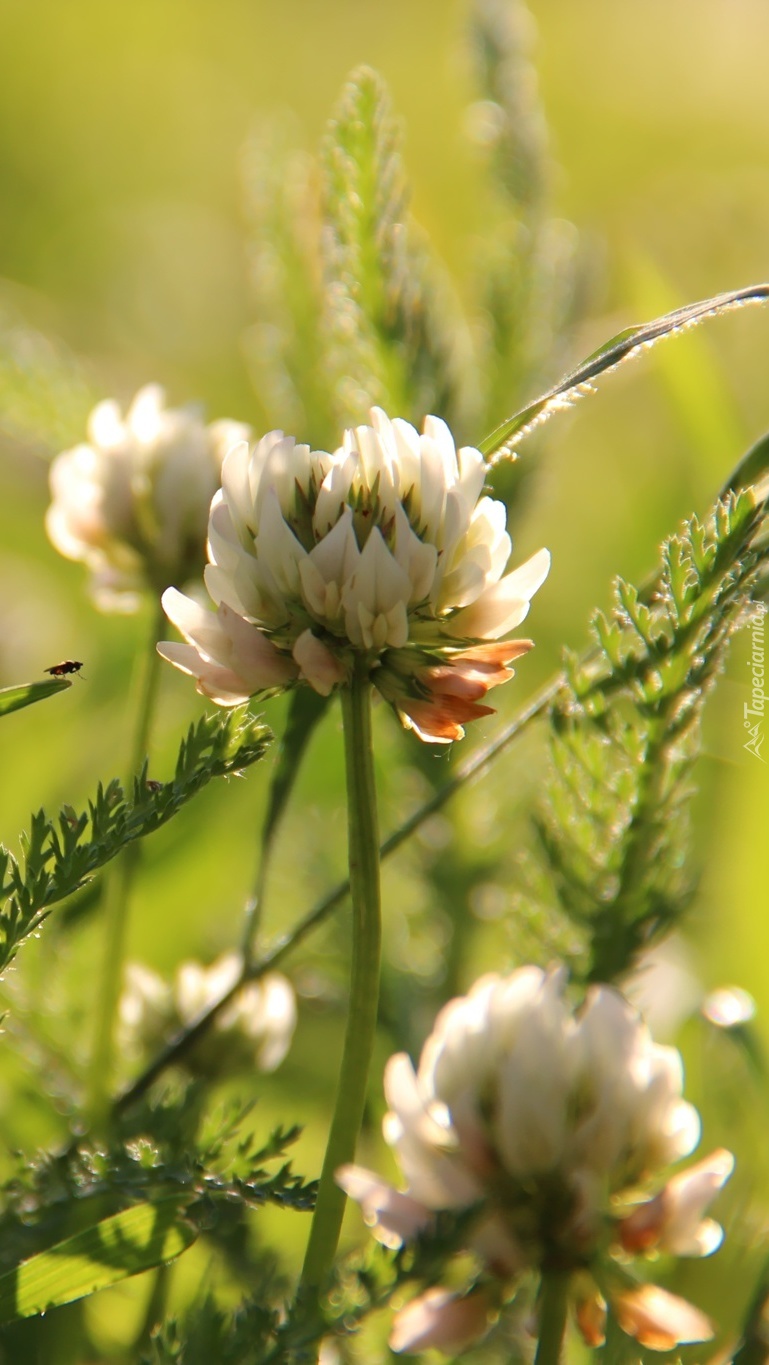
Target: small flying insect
[{"x": 68, "y": 666}]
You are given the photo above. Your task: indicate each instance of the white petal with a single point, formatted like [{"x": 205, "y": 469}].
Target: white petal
[
  {"x": 220, "y": 684},
  {"x": 393, "y": 1216},
  {"x": 502, "y": 606},
  {"x": 375, "y": 598},
  {"x": 319, "y": 667},
  {"x": 440, "y": 1320}
]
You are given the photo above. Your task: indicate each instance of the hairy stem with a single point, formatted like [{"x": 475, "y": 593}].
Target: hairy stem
[
  {"x": 363, "y": 860},
  {"x": 117, "y": 895}
]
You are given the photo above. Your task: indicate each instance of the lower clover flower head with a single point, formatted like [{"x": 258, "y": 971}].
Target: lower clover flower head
[
  {"x": 386, "y": 549},
  {"x": 556, "y": 1129},
  {"x": 133, "y": 502},
  {"x": 258, "y": 1023}
]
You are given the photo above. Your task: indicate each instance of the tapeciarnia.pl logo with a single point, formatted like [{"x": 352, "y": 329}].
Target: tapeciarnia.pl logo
[{"x": 753, "y": 712}]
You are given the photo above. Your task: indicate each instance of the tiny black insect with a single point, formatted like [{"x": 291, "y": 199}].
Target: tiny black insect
[{"x": 68, "y": 666}]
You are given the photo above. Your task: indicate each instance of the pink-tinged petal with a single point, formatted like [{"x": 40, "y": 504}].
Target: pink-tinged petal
[
  {"x": 393, "y": 1216},
  {"x": 441, "y": 1320},
  {"x": 199, "y": 626},
  {"x": 221, "y": 685},
  {"x": 234, "y": 658},
  {"x": 318, "y": 666},
  {"x": 660, "y": 1320},
  {"x": 686, "y": 1197},
  {"x": 673, "y": 1220},
  {"x": 503, "y": 605}
]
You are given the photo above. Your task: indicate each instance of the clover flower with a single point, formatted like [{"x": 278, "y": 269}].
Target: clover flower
[
  {"x": 132, "y": 503},
  {"x": 386, "y": 549},
  {"x": 258, "y": 1023},
  {"x": 555, "y": 1130}
]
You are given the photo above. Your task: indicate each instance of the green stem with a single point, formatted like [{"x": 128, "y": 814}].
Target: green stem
[
  {"x": 363, "y": 859},
  {"x": 553, "y": 1303},
  {"x": 186, "y": 1038},
  {"x": 119, "y": 882}
]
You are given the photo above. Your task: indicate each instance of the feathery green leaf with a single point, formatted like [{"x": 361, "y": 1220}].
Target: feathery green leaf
[{"x": 60, "y": 855}]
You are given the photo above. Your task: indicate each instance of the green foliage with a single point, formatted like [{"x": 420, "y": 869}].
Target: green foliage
[
  {"x": 60, "y": 855},
  {"x": 392, "y": 336},
  {"x": 44, "y": 397},
  {"x": 111, "y": 1250},
  {"x": 527, "y": 270},
  {"x": 284, "y": 346},
  {"x": 14, "y": 698},
  {"x": 207, "y": 1165},
  {"x": 625, "y": 735}
]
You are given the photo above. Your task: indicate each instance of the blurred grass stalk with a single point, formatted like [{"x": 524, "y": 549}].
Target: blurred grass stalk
[{"x": 117, "y": 890}]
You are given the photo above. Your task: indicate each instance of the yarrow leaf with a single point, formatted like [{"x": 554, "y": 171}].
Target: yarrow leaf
[
  {"x": 393, "y": 336},
  {"x": 625, "y": 735},
  {"x": 60, "y": 855}
]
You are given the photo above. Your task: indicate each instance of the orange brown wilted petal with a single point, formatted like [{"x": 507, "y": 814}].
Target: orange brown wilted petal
[{"x": 660, "y": 1320}]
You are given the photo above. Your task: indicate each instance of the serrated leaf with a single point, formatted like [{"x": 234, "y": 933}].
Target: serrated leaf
[
  {"x": 14, "y": 698},
  {"x": 112, "y": 1250},
  {"x": 501, "y": 442},
  {"x": 617, "y": 865},
  {"x": 394, "y": 336},
  {"x": 54, "y": 866}
]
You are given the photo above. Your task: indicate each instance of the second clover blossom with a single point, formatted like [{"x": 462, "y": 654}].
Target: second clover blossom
[
  {"x": 550, "y": 1131},
  {"x": 132, "y": 502},
  {"x": 386, "y": 549}
]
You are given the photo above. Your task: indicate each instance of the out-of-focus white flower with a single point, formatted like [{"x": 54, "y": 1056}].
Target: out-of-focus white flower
[
  {"x": 258, "y": 1022},
  {"x": 386, "y": 549},
  {"x": 557, "y": 1125},
  {"x": 133, "y": 502},
  {"x": 442, "y": 1320},
  {"x": 263, "y": 1012}
]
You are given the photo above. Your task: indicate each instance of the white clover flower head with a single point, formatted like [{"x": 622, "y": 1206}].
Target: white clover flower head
[
  {"x": 386, "y": 549},
  {"x": 256, "y": 1027},
  {"x": 558, "y": 1126},
  {"x": 260, "y": 1018},
  {"x": 132, "y": 503}
]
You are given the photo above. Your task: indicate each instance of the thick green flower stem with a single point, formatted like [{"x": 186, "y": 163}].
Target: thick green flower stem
[
  {"x": 117, "y": 894},
  {"x": 553, "y": 1304},
  {"x": 363, "y": 857}
]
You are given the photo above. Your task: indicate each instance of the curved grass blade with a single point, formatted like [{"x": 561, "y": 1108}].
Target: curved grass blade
[
  {"x": 13, "y": 698},
  {"x": 125, "y": 1244},
  {"x": 501, "y": 443},
  {"x": 751, "y": 472}
]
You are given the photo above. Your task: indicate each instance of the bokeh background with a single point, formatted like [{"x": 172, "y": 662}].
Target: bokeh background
[{"x": 124, "y": 260}]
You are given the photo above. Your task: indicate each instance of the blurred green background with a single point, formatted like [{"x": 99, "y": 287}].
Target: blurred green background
[{"x": 123, "y": 260}]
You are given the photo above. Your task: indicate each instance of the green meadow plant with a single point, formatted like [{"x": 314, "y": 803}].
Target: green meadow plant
[{"x": 534, "y": 1206}]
